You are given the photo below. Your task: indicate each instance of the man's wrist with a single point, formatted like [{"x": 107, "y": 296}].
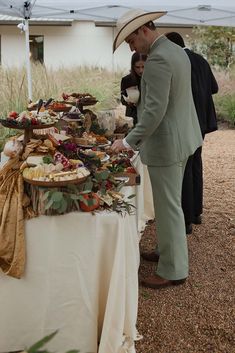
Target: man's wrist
[{"x": 125, "y": 143}]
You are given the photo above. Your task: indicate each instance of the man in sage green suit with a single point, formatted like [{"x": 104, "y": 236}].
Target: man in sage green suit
[{"x": 166, "y": 134}]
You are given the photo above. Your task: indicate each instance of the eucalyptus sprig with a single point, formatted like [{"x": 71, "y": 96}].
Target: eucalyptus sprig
[
  {"x": 124, "y": 206},
  {"x": 63, "y": 200}
]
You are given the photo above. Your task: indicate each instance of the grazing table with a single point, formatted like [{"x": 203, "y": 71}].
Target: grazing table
[{"x": 81, "y": 278}]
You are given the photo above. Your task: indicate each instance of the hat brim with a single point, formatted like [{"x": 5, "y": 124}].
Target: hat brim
[{"x": 132, "y": 25}]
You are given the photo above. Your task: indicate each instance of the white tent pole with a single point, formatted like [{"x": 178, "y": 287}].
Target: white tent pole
[{"x": 28, "y": 64}]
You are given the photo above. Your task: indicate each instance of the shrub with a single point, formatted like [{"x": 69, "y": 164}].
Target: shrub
[
  {"x": 215, "y": 43},
  {"x": 225, "y": 99},
  {"x": 228, "y": 107}
]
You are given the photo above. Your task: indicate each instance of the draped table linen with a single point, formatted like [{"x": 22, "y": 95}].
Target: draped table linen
[
  {"x": 143, "y": 192},
  {"x": 81, "y": 278}
]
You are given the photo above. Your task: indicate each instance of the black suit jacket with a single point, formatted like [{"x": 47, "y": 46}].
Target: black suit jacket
[
  {"x": 203, "y": 86},
  {"x": 126, "y": 82}
]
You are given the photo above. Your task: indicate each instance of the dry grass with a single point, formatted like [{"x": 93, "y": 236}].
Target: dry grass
[
  {"x": 103, "y": 84},
  {"x": 199, "y": 316},
  {"x": 226, "y": 81},
  {"x": 47, "y": 83},
  {"x": 13, "y": 89}
]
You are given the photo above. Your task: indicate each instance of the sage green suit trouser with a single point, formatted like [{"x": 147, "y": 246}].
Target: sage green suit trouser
[{"x": 172, "y": 243}]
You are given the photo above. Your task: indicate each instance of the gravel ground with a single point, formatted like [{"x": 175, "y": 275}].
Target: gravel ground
[{"x": 198, "y": 316}]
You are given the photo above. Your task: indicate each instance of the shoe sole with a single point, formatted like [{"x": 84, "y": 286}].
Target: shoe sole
[
  {"x": 149, "y": 260},
  {"x": 163, "y": 285}
]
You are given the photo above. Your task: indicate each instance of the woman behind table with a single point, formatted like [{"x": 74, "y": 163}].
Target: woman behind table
[{"x": 131, "y": 80}]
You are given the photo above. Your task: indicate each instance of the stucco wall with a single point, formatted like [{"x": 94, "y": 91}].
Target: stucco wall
[
  {"x": 12, "y": 46},
  {"x": 80, "y": 44}
]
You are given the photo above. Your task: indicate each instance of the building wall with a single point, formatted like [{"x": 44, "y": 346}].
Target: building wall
[
  {"x": 66, "y": 46},
  {"x": 12, "y": 47}
]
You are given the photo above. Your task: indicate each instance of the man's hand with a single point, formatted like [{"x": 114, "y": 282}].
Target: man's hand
[{"x": 118, "y": 146}]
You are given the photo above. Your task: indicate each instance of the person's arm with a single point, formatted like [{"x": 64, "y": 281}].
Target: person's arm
[
  {"x": 156, "y": 100},
  {"x": 123, "y": 91},
  {"x": 120, "y": 145}
]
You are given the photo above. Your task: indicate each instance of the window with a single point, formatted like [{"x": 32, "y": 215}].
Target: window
[{"x": 36, "y": 48}]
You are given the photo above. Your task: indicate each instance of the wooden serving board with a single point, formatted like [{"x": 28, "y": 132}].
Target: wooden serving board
[
  {"x": 28, "y": 130},
  {"x": 60, "y": 109},
  {"x": 54, "y": 184},
  {"x": 10, "y": 125}
]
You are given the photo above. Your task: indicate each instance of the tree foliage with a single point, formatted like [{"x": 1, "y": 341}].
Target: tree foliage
[{"x": 217, "y": 44}]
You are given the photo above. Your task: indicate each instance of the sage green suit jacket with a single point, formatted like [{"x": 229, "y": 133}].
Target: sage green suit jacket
[{"x": 168, "y": 130}]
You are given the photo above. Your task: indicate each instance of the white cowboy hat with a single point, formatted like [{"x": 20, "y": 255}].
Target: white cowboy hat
[{"x": 131, "y": 21}]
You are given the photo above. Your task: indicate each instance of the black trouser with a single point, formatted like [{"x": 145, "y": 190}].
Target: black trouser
[{"x": 192, "y": 189}]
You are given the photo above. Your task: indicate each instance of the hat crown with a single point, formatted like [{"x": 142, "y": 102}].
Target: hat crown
[
  {"x": 128, "y": 17},
  {"x": 131, "y": 21}
]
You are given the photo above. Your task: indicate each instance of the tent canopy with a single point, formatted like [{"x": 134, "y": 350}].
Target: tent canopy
[{"x": 189, "y": 12}]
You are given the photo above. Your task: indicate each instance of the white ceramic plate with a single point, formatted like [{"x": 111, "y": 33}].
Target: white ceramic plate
[
  {"x": 85, "y": 146},
  {"x": 104, "y": 145},
  {"x": 70, "y": 120},
  {"x": 105, "y": 159},
  {"x": 60, "y": 137},
  {"x": 124, "y": 179}
]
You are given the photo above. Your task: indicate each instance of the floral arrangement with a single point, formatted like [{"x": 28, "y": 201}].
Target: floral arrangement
[{"x": 100, "y": 191}]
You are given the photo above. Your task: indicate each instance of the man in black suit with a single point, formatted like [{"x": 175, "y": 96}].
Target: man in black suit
[{"x": 203, "y": 86}]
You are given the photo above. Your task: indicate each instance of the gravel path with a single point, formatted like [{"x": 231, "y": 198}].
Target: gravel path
[{"x": 198, "y": 316}]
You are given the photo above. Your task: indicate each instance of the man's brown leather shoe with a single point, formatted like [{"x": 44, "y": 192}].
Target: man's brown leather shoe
[
  {"x": 157, "y": 282},
  {"x": 150, "y": 256}
]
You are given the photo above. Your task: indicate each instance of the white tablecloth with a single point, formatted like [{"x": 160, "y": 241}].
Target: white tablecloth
[
  {"x": 81, "y": 278},
  {"x": 144, "y": 198}
]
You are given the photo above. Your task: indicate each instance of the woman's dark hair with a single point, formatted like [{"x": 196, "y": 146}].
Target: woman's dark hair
[{"x": 134, "y": 59}]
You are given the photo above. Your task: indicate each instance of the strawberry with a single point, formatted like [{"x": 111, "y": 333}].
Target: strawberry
[
  {"x": 108, "y": 185},
  {"x": 65, "y": 96},
  {"x": 130, "y": 170},
  {"x": 13, "y": 115},
  {"x": 34, "y": 121}
]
